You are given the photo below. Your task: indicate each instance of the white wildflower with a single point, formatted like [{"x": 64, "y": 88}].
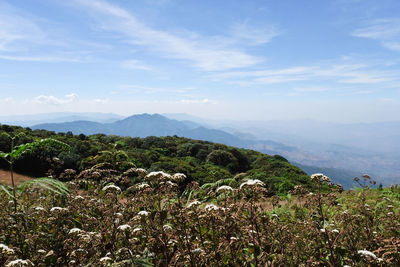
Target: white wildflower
[
  {"x": 85, "y": 238},
  {"x": 224, "y": 188},
  {"x": 112, "y": 188},
  {"x": 367, "y": 253},
  {"x": 169, "y": 183},
  {"x": 178, "y": 177},
  {"x": 124, "y": 227},
  {"x": 58, "y": 209},
  {"x": 193, "y": 203},
  {"x": 105, "y": 259},
  {"x": 5, "y": 249},
  {"x": 142, "y": 186},
  {"x": 19, "y": 263},
  {"x": 167, "y": 227},
  {"x": 74, "y": 230},
  {"x": 143, "y": 213},
  {"x": 316, "y": 176},
  {"x": 211, "y": 207},
  {"x": 336, "y": 231},
  {"x": 197, "y": 251},
  {"x": 172, "y": 242},
  {"x": 153, "y": 176},
  {"x": 251, "y": 182},
  {"x": 252, "y": 232},
  {"x": 322, "y": 230}
]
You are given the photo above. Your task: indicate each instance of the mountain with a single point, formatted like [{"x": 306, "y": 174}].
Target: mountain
[
  {"x": 341, "y": 176},
  {"x": 59, "y": 117},
  {"x": 157, "y": 125}
]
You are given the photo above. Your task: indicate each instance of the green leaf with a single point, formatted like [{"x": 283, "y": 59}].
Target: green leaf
[
  {"x": 50, "y": 184},
  {"x": 29, "y": 147},
  {"x": 5, "y": 189}
]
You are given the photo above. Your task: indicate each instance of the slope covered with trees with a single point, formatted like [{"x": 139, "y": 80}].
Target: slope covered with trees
[{"x": 203, "y": 162}]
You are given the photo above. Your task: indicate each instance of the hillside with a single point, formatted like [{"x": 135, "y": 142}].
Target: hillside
[
  {"x": 157, "y": 125},
  {"x": 201, "y": 161}
]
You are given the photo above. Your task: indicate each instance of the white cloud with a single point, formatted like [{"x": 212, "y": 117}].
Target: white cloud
[
  {"x": 312, "y": 89},
  {"x": 41, "y": 58},
  {"x": 49, "y": 99},
  {"x": 15, "y": 29},
  {"x": 134, "y": 64},
  {"x": 205, "y": 53},
  {"x": 243, "y": 32},
  {"x": 387, "y": 31},
  {"x": 339, "y": 72},
  {"x": 134, "y": 88},
  {"x": 198, "y": 101}
]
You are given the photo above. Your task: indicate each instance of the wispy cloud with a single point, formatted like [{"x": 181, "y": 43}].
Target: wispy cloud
[
  {"x": 134, "y": 88},
  {"x": 24, "y": 37},
  {"x": 339, "y": 72},
  {"x": 41, "y": 58},
  {"x": 198, "y": 101},
  {"x": 15, "y": 29},
  {"x": 49, "y": 99},
  {"x": 204, "y": 52},
  {"x": 387, "y": 31},
  {"x": 250, "y": 35},
  {"x": 135, "y": 64}
]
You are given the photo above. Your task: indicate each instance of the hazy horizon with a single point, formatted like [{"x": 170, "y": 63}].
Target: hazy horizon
[{"x": 334, "y": 61}]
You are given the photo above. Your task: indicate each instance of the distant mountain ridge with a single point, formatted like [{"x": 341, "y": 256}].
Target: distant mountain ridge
[
  {"x": 59, "y": 117},
  {"x": 144, "y": 125}
]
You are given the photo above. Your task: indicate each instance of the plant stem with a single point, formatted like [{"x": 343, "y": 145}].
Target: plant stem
[{"x": 12, "y": 176}]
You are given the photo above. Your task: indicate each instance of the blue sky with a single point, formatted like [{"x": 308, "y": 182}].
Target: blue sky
[{"x": 335, "y": 60}]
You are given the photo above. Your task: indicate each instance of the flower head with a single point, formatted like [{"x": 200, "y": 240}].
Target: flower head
[
  {"x": 367, "y": 253},
  {"x": 211, "y": 207},
  {"x": 224, "y": 188},
  {"x": 252, "y": 182},
  {"x": 5, "y": 249},
  {"x": 124, "y": 227},
  {"x": 112, "y": 188},
  {"x": 193, "y": 203},
  {"x": 19, "y": 263},
  {"x": 178, "y": 177},
  {"x": 143, "y": 213},
  {"x": 74, "y": 230}
]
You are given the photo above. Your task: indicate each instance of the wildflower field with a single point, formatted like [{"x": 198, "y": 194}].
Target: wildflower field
[
  {"x": 111, "y": 213},
  {"x": 158, "y": 222}
]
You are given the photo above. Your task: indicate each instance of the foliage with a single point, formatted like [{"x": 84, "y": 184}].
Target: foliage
[
  {"x": 203, "y": 162},
  {"x": 165, "y": 221}
]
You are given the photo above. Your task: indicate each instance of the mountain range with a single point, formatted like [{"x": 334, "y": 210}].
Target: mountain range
[{"x": 157, "y": 125}]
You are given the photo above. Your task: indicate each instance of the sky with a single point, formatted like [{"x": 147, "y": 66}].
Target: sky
[{"x": 334, "y": 60}]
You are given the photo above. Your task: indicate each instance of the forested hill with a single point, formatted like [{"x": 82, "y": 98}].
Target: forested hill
[{"x": 201, "y": 161}]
